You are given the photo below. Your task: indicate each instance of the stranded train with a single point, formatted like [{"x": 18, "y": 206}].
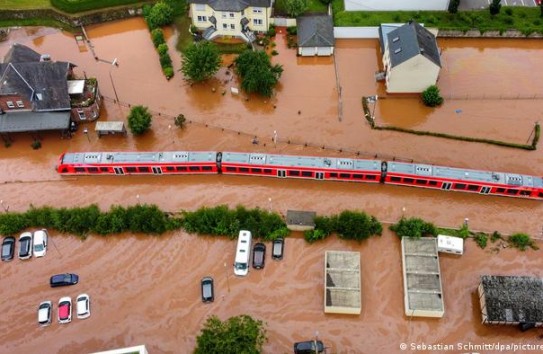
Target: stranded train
[{"x": 304, "y": 167}]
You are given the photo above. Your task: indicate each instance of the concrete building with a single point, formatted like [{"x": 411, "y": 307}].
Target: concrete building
[
  {"x": 423, "y": 295},
  {"x": 395, "y": 5},
  {"x": 315, "y": 35},
  {"x": 342, "y": 285},
  {"x": 411, "y": 59}
]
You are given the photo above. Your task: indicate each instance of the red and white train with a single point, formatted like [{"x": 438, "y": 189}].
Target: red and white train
[{"x": 304, "y": 167}]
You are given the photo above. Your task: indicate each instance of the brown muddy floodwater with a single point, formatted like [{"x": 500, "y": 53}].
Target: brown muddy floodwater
[{"x": 145, "y": 290}]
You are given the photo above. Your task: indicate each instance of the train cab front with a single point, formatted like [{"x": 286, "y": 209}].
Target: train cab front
[{"x": 59, "y": 167}]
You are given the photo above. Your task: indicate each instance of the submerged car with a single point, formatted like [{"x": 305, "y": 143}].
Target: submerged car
[
  {"x": 40, "y": 243},
  {"x": 25, "y": 245},
  {"x": 63, "y": 279},
  {"x": 8, "y": 248},
  {"x": 208, "y": 293},
  {"x": 277, "y": 248},
  {"x": 65, "y": 310},
  {"x": 83, "y": 306},
  {"x": 309, "y": 347},
  {"x": 259, "y": 255},
  {"x": 44, "y": 313}
]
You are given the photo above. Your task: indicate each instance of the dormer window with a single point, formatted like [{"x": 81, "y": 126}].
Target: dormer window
[
  {"x": 397, "y": 50},
  {"x": 20, "y": 104},
  {"x": 10, "y": 104},
  {"x": 395, "y": 39},
  {"x": 39, "y": 96}
]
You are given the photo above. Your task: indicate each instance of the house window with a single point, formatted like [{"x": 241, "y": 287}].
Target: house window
[
  {"x": 10, "y": 104},
  {"x": 232, "y": 27},
  {"x": 223, "y": 15},
  {"x": 224, "y": 26},
  {"x": 202, "y": 18},
  {"x": 396, "y": 51},
  {"x": 257, "y": 21},
  {"x": 257, "y": 10},
  {"x": 20, "y": 104},
  {"x": 395, "y": 39},
  {"x": 231, "y": 15},
  {"x": 81, "y": 114},
  {"x": 200, "y": 7}
]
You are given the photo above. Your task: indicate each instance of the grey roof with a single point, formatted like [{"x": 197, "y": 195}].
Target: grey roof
[
  {"x": 411, "y": 40},
  {"x": 296, "y": 217},
  {"x": 232, "y": 5},
  {"x": 315, "y": 31},
  {"x": 15, "y": 122},
  {"x": 19, "y": 53}
]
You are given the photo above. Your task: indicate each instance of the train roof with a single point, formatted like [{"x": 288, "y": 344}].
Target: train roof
[
  {"x": 467, "y": 175},
  {"x": 301, "y": 161},
  {"x": 138, "y": 157}
]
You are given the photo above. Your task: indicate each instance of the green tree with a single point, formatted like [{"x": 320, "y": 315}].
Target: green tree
[
  {"x": 257, "y": 73},
  {"x": 161, "y": 14},
  {"x": 453, "y": 6},
  {"x": 295, "y": 7},
  {"x": 139, "y": 120},
  {"x": 354, "y": 225},
  {"x": 200, "y": 61},
  {"x": 239, "y": 334},
  {"x": 495, "y": 7},
  {"x": 431, "y": 97},
  {"x": 157, "y": 35}
]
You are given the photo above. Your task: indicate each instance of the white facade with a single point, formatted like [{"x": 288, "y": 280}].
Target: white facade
[
  {"x": 395, "y": 5},
  {"x": 450, "y": 244},
  {"x": 315, "y": 51}
]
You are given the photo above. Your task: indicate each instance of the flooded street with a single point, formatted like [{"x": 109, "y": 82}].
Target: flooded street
[{"x": 145, "y": 290}]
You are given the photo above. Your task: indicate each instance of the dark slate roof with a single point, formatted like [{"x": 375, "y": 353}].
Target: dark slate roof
[
  {"x": 315, "y": 31},
  {"x": 232, "y": 5},
  {"x": 412, "y": 40},
  {"x": 303, "y": 218},
  {"x": 14, "y": 122},
  {"x": 19, "y": 53}
]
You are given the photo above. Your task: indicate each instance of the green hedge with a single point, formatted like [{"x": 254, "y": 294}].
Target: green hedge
[
  {"x": 75, "y": 6},
  {"x": 349, "y": 225}
]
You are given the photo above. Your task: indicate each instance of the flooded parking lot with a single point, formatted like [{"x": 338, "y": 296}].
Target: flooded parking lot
[{"x": 146, "y": 290}]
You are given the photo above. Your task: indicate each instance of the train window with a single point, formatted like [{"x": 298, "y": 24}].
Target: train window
[
  {"x": 181, "y": 168},
  {"x": 243, "y": 169},
  {"x": 104, "y": 169},
  {"x": 358, "y": 176},
  {"x": 231, "y": 169},
  {"x": 525, "y": 193},
  {"x": 92, "y": 169},
  {"x": 459, "y": 186},
  {"x": 372, "y": 177},
  {"x": 408, "y": 180},
  {"x": 345, "y": 175},
  {"x": 472, "y": 187},
  {"x": 420, "y": 181},
  {"x": 293, "y": 173},
  {"x": 333, "y": 175},
  {"x": 170, "y": 168},
  {"x": 206, "y": 168},
  {"x": 432, "y": 183},
  {"x": 79, "y": 169},
  {"x": 307, "y": 174},
  {"x": 143, "y": 169},
  {"x": 256, "y": 170},
  {"x": 267, "y": 170},
  {"x": 130, "y": 169},
  {"x": 500, "y": 190},
  {"x": 540, "y": 195},
  {"x": 395, "y": 179},
  {"x": 512, "y": 191},
  {"x": 194, "y": 168}
]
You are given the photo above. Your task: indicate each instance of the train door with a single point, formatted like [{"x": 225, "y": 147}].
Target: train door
[
  {"x": 281, "y": 173},
  {"x": 319, "y": 175},
  {"x": 485, "y": 190},
  {"x": 446, "y": 186},
  {"x": 157, "y": 170},
  {"x": 118, "y": 170}
]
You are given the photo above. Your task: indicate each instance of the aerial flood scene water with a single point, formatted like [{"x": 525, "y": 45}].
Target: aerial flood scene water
[{"x": 146, "y": 290}]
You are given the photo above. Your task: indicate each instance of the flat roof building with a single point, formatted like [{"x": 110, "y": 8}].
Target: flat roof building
[{"x": 342, "y": 289}]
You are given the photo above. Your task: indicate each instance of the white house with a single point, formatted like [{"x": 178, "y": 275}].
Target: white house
[
  {"x": 395, "y": 5},
  {"x": 411, "y": 58}
]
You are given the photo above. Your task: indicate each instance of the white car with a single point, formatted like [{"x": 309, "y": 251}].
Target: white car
[
  {"x": 83, "y": 306},
  {"x": 40, "y": 243},
  {"x": 44, "y": 313},
  {"x": 65, "y": 310}
]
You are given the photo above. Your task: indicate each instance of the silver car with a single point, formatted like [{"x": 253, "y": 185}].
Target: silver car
[
  {"x": 83, "y": 306},
  {"x": 45, "y": 311}
]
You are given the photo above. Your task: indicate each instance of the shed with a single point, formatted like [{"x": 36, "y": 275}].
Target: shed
[
  {"x": 342, "y": 290},
  {"x": 315, "y": 35},
  {"x": 110, "y": 127},
  {"x": 450, "y": 244},
  {"x": 300, "y": 220}
]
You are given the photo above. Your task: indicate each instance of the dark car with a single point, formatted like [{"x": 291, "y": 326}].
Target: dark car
[
  {"x": 25, "y": 245},
  {"x": 277, "y": 249},
  {"x": 259, "y": 255},
  {"x": 63, "y": 279},
  {"x": 309, "y": 347},
  {"x": 207, "y": 289},
  {"x": 8, "y": 248}
]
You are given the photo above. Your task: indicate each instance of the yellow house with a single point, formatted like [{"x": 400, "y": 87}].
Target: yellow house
[{"x": 238, "y": 18}]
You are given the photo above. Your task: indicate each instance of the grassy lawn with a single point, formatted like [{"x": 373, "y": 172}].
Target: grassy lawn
[
  {"x": 24, "y": 4},
  {"x": 313, "y": 6},
  {"x": 524, "y": 19}
]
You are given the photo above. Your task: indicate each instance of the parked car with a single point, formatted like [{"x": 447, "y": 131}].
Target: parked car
[
  {"x": 65, "y": 310},
  {"x": 259, "y": 255},
  {"x": 208, "y": 293},
  {"x": 44, "y": 313},
  {"x": 63, "y": 279},
  {"x": 8, "y": 248},
  {"x": 309, "y": 347},
  {"x": 40, "y": 243},
  {"x": 25, "y": 245},
  {"x": 83, "y": 306},
  {"x": 277, "y": 249}
]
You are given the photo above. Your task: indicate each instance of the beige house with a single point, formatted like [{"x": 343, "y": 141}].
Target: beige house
[
  {"x": 410, "y": 58},
  {"x": 237, "y": 18}
]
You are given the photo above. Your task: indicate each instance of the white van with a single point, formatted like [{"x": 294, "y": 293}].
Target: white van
[{"x": 243, "y": 253}]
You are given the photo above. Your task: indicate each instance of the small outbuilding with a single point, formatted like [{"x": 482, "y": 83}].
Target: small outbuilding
[
  {"x": 110, "y": 127},
  {"x": 300, "y": 220},
  {"x": 315, "y": 35},
  {"x": 450, "y": 244},
  {"x": 342, "y": 290}
]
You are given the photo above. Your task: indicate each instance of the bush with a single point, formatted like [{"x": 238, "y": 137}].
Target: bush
[
  {"x": 431, "y": 96},
  {"x": 36, "y": 144},
  {"x": 161, "y": 14},
  {"x": 180, "y": 121},
  {"x": 481, "y": 239},
  {"x": 71, "y": 6},
  {"x": 12, "y": 223},
  {"x": 292, "y": 30},
  {"x": 358, "y": 226},
  {"x": 157, "y": 35},
  {"x": 168, "y": 72},
  {"x": 139, "y": 120},
  {"x": 495, "y": 236},
  {"x": 271, "y": 32},
  {"x": 509, "y": 11},
  {"x": 413, "y": 227},
  {"x": 165, "y": 60},
  {"x": 274, "y": 52},
  {"x": 315, "y": 235},
  {"x": 522, "y": 241},
  {"x": 162, "y": 49}
]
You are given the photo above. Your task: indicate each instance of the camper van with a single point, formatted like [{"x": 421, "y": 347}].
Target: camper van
[{"x": 243, "y": 253}]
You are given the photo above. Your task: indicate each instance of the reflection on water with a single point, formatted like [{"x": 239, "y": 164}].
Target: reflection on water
[{"x": 154, "y": 282}]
